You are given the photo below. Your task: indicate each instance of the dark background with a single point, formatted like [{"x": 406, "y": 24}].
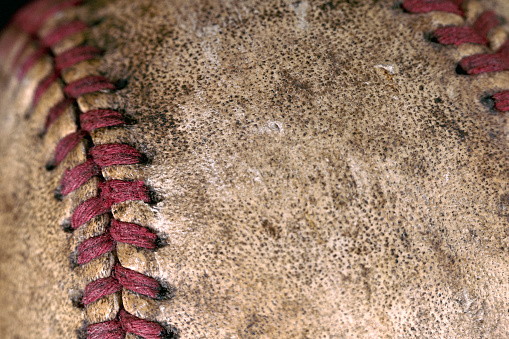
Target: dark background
[{"x": 7, "y": 9}]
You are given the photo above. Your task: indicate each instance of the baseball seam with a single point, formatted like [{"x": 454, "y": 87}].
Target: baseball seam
[
  {"x": 477, "y": 33},
  {"x": 30, "y": 19}
]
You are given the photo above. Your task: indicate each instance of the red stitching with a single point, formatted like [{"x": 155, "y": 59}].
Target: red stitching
[
  {"x": 148, "y": 330},
  {"x": 30, "y": 61},
  {"x": 100, "y": 118},
  {"x": 425, "y": 6},
  {"x": 115, "y": 154},
  {"x": 27, "y": 21},
  {"x": 63, "y": 31},
  {"x": 101, "y": 156},
  {"x": 88, "y": 85},
  {"x": 65, "y": 60},
  {"x": 486, "y": 63},
  {"x": 473, "y": 64},
  {"x": 133, "y": 234},
  {"x": 43, "y": 87},
  {"x": 137, "y": 282},
  {"x": 116, "y": 191},
  {"x": 30, "y": 19},
  {"x": 121, "y": 278},
  {"x": 56, "y": 111},
  {"x": 116, "y": 329},
  {"x": 111, "y": 192},
  {"x": 67, "y": 144},
  {"x": 89, "y": 209},
  {"x": 476, "y": 34},
  {"x": 75, "y": 55},
  {"x": 77, "y": 176},
  {"x": 107, "y": 330},
  {"x": 100, "y": 288},
  {"x": 95, "y": 247},
  {"x": 501, "y": 101},
  {"x": 120, "y": 232}
]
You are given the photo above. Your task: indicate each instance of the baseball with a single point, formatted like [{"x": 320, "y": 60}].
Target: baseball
[{"x": 255, "y": 169}]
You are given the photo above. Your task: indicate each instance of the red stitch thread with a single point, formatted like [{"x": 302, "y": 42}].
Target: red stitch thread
[
  {"x": 30, "y": 19},
  {"x": 43, "y": 86},
  {"x": 141, "y": 327},
  {"x": 87, "y": 85},
  {"x": 56, "y": 111},
  {"x": 133, "y": 234},
  {"x": 121, "y": 278},
  {"x": 486, "y": 22},
  {"x": 137, "y": 282},
  {"x": 61, "y": 32},
  {"x": 112, "y": 192},
  {"x": 117, "y": 191},
  {"x": 486, "y": 63},
  {"x": 502, "y": 101},
  {"x": 99, "y": 118},
  {"x": 106, "y": 330},
  {"x": 66, "y": 145},
  {"x": 9, "y": 40},
  {"x": 17, "y": 59},
  {"x": 100, "y": 288},
  {"x": 473, "y": 64},
  {"x": 425, "y": 6},
  {"x": 77, "y": 176},
  {"x": 116, "y": 329},
  {"x": 58, "y": 8},
  {"x": 30, "y": 61},
  {"x": 94, "y": 247},
  {"x": 102, "y": 156},
  {"x": 75, "y": 55},
  {"x": 50, "y": 40},
  {"x": 120, "y": 232},
  {"x": 89, "y": 209},
  {"x": 467, "y": 34},
  {"x": 115, "y": 154}
]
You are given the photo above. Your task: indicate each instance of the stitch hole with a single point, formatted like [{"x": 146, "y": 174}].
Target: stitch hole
[
  {"x": 77, "y": 301},
  {"x": 166, "y": 292},
  {"x": 50, "y": 165},
  {"x": 144, "y": 159},
  {"x": 431, "y": 37},
  {"x": 399, "y": 5},
  {"x": 129, "y": 119},
  {"x": 488, "y": 102},
  {"x": 154, "y": 196},
  {"x": 96, "y": 22},
  {"x": 66, "y": 226},
  {"x": 160, "y": 242},
  {"x": 58, "y": 194},
  {"x": 73, "y": 260},
  {"x": 459, "y": 70},
  {"x": 170, "y": 333},
  {"x": 121, "y": 83}
]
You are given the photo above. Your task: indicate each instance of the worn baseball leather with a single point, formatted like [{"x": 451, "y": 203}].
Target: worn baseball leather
[{"x": 319, "y": 170}]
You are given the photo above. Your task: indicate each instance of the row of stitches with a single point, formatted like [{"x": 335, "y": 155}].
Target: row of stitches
[
  {"x": 477, "y": 33},
  {"x": 30, "y": 20}
]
